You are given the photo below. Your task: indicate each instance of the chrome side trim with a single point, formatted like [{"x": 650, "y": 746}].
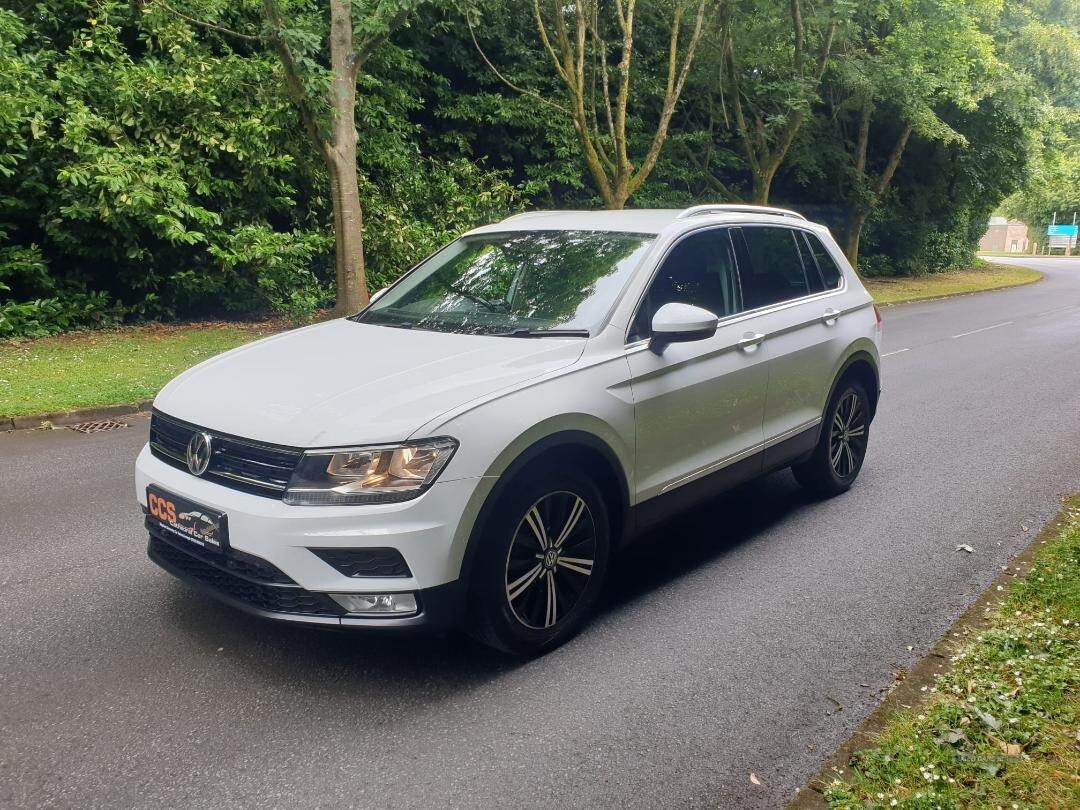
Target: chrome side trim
[
  {"x": 729, "y": 460},
  {"x": 716, "y": 465},
  {"x": 787, "y": 434}
]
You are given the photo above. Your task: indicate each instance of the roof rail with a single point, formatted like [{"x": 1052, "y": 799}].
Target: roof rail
[{"x": 737, "y": 208}]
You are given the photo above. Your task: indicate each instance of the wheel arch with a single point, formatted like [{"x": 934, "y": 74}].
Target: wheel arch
[
  {"x": 585, "y": 449},
  {"x": 861, "y": 365}
]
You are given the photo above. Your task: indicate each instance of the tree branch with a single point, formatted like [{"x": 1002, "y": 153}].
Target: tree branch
[
  {"x": 506, "y": 81},
  {"x": 541, "y": 28},
  {"x": 863, "y": 137},
  {"x": 675, "y": 83},
  {"x": 368, "y": 46},
  {"x": 208, "y": 25},
  {"x": 626, "y": 20},
  {"x": 800, "y": 31},
  {"x": 894, "y": 161},
  {"x": 740, "y": 118},
  {"x": 293, "y": 83}
]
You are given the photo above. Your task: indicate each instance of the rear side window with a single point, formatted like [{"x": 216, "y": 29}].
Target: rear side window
[
  {"x": 771, "y": 269},
  {"x": 830, "y": 273}
]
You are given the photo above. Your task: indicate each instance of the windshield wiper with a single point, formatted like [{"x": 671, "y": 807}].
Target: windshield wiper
[
  {"x": 490, "y": 306},
  {"x": 529, "y": 333}
]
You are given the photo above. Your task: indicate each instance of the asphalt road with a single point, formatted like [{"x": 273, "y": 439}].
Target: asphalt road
[{"x": 724, "y": 642}]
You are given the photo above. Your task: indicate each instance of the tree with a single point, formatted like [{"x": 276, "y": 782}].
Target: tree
[
  {"x": 775, "y": 63},
  {"x": 1040, "y": 40},
  {"x": 322, "y": 84},
  {"x": 585, "y": 44},
  {"x": 906, "y": 59}
]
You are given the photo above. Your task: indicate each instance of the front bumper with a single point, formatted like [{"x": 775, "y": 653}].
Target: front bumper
[
  {"x": 258, "y": 588},
  {"x": 287, "y": 580}
]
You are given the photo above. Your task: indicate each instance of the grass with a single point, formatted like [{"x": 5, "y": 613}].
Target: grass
[
  {"x": 985, "y": 276},
  {"x": 1006, "y": 255},
  {"x": 124, "y": 366},
  {"x": 1001, "y": 728}
]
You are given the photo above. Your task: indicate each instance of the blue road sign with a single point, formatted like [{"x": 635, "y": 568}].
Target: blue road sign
[{"x": 1061, "y": 230}]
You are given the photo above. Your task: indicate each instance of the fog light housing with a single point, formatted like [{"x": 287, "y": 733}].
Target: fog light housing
[{"x": 377, "y": 604}]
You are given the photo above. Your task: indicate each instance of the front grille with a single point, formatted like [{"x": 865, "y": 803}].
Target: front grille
[
  {"x": 237, "y": 463},
  {"x": 260, "y": 586},
  {"x": 365, "y": 562}
]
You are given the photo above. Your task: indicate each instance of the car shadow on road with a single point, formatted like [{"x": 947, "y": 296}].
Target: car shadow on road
[
  {"x": 698, "y": 536},
  {"x": 443, "y": 664}
]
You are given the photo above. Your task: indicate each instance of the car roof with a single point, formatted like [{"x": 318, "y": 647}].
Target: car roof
[{"x": 644, "y": 220}]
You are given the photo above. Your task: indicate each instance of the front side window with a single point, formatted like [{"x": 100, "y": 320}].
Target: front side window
[
  {"x": 699, "y": 270},
  {"x": 771, "y": 270},
  {"x": 503, "y": 283}
]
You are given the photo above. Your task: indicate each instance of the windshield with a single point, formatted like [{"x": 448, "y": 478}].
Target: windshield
[{"x": 514, "y": 283}]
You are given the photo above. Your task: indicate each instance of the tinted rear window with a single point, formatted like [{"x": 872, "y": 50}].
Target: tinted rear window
[
  {"x": 771, "y": 270},
  {"x": 830, "y": 272}
]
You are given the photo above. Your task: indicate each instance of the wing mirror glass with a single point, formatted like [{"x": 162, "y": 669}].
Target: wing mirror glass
[{"x": 680, "y": 323}]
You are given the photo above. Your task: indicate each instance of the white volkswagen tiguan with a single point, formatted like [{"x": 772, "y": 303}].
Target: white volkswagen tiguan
[{"x": 474, "y": 447}]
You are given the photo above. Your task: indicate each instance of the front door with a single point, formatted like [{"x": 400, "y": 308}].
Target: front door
[{"x": 698, "y": 406}]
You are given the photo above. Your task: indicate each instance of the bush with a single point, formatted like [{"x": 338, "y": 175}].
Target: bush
[
  {"x": 50, "y": 316},
  {"x": 262, "y": 268}
]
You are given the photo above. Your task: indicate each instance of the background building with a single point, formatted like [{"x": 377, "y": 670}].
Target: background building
[{"x": 1005, "y": 236}]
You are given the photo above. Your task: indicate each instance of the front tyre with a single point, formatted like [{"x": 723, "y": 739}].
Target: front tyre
[
  {"x": 542, "y": 565},
  {"x": 841, "y": 448}
]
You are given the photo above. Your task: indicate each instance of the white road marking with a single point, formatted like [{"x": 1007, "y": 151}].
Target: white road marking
[
  {"x": 984, "y": 329},
  {"x": 898, "y": 351},
  {"x": 1051, "y": 311}
]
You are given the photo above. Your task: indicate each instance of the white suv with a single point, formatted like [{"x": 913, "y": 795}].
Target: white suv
[{"x": 474, "y": 447}]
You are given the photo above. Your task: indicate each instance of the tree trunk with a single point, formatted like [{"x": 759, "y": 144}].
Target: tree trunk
[
  {"x": 858, "y": 217},
  {"x": 762, "y": 186},
  {"x": 852, "y": 235},
  {"x": 352, "y": 293}
]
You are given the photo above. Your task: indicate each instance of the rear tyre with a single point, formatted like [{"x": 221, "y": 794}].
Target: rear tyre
[
  {"x": 841, "y": 448},
  {"x": 543, "y": 558}
]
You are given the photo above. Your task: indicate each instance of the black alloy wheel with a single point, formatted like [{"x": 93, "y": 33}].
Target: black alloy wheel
[
  {"x": 838, "y": 456},
  {"x": 848, "y": 435},
  {"x": 542, "y": 559},
  {"x": 550, "y": 559}
]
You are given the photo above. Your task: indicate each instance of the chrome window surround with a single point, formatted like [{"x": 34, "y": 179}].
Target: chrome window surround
[{"x": 749, "y": 313}]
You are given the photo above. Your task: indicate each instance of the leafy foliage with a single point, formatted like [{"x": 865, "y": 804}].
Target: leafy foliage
[{"x": 152, "y": 166}]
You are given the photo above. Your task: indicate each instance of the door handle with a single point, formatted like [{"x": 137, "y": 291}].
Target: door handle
[
  {"x": 829, "y": 316},
  {"x": 750, "y": 341}
]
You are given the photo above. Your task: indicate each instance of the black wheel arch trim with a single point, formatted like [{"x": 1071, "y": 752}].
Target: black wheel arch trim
[
  {"x": 863, "y": 356},
  {"x": 553, "y": 441}
]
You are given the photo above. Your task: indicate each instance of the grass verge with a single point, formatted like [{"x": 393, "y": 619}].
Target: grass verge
[
  {"x": 90, "y": 369},
  {"x": 1006, "y": 255},
  {"x": 1001, "y": 727},
  {"x": 984, "y": 276}
]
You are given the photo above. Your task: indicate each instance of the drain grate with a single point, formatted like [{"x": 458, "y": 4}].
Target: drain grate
[{"x": 100, "y": 426}]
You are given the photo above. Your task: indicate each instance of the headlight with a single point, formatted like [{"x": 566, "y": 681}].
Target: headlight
[{"x": 379, "y": 474}]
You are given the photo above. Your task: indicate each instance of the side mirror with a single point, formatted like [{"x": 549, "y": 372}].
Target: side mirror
[
  {"x": 376, "y": 296},
  {"x": 680, "y": 323}
]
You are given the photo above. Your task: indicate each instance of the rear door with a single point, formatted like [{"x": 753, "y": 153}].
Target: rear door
[
  {"x": 698, "y": 406},
  {"x": 800, "y": 317}
]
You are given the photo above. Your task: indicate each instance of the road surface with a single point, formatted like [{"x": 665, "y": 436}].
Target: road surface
[{"x": 725, "y": 646}]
